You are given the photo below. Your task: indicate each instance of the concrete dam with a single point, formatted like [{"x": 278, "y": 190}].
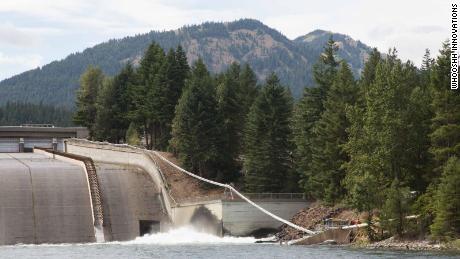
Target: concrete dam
[{"x": 104, "y": 192}]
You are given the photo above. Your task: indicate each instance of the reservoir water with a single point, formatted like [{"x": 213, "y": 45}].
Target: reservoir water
[{"x": 187, "y": 243}]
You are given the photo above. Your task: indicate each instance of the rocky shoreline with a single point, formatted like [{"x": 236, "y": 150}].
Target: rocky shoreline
[{"x": 411, "y": 245}]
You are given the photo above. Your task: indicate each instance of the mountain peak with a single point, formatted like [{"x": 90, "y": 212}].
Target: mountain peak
[{"x": 219, "y": 44}]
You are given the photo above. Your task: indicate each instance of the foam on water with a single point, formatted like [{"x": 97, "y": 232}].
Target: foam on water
[
  {"x": 187, "y": 235},
  {"x": 179, "y": 236}
]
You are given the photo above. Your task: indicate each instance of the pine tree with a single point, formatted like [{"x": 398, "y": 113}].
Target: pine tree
[
  {"x": 231, "y": 110},
  {"x": 105, "y": 122},
  {"x": 328, "y": 156},
  {"x": 378, "y": 143},
  {"x": 427, "y": 61},
  {"x": 368, "y": 75},
  {"x": 267, "y": 156},
  {"x": 196, "y": 130},
  {"x": 113, "y": 104},
  {"x": 308, "y": 111},
  {"x": 445, "y": 147},
  {"x": 248, "y": 88},
  {"x": 447, "y": 202},
  {"x": 150, "y": 96},
  {"x": 90, "y": 83},
  {"x": 445, "y": 138},
  {"x": 325, "y": 69},
  {"x": 395, "y": 209},
  {"x": 132, "y": 135}
]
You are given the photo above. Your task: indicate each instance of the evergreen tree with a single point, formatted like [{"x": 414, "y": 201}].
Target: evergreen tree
[
  {"x": 248, "y": 88},
  {"x": 445, "y": 148},
  {"x": 162, "y": 80},
  {"x": 196, "y": 130},
  {"x": 445, "y": 138},
  {"x": 231, "y": 110},
  {"x": 330, "y": 135},
  {"x": 113, "y": 106},
  {"x": 325, "y": 69},
  {"x": 427, "y": 62},
  {"x": 105, "y": 122},
  {"x": 132, "y": 135},
  {"x": 308, "y": 111},
  {"x": 267, "y": 156},
  {"x": 447, "y": 202},
  {"x": 90, "y": 83},
  {"x": 12, "y": 114},
  {"x": 147, "y": 92},
  {"x": 395, "y": 209},
  {"x": 368, "y": 75},
  {"x": 378, "y": 136},
  {"x": 365, "y": 194}
]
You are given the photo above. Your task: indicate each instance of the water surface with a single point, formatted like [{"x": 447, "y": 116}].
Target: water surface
[{"x": 187, "y": 243}]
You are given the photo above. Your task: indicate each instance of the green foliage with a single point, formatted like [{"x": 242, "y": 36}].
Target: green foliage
[
  {"x": 90, "y": 83},
  {"x": 307, "y": 114},
  {"x": 447, "y": 202},
  {"x": 330, "y": 134},
  {"x": 396, "y": 208},
  {"x": 325, "y": 69},
  {"x": 365, "y": 193},
  {"x": 233, "y": 114},
  {"x": 248, "y": 88},
  {"x": 14, "y": 114},
  {"x": 196, "y": 131},
  {"x": 267, "y": 155},
  {"x": 132, "y": 135},
  {"x": 162, "y": 79},
  {"x": 445, "y": 138}
]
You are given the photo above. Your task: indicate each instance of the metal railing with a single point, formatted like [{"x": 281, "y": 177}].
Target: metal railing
[
  {"x": 275, "y": 196},
  {"x": 38, "y": 125}
]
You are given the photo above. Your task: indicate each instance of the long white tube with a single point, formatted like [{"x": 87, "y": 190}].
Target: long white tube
[{"x": 237, "y": 193}]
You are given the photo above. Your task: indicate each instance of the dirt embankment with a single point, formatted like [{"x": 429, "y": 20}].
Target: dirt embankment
[
  {"x": 184, "y": 188},
  {"x": 313, "y": 218}
]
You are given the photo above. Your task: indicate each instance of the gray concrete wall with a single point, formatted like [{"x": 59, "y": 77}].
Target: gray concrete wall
[
  {"x": 241, "y": 219},
  {"x": 205, "y": 216},
  {"x": 129, "y": 195},
  {"x": 43, "y": 200},
  {"x": 125, "y": 155}
]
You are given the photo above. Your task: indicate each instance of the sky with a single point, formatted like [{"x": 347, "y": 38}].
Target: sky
[{"x": 34, "y": 33}]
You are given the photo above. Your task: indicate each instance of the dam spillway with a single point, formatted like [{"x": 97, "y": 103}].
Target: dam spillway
[
  {"x": 46, "y": 197},
  {"x": 43, "y": 200},
  {"x": 132, "y": 202},
  {"x": 46, "y": 200}
]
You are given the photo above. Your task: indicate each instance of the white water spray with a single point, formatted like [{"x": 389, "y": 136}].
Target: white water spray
[
  {"x": 99, "y": 234},
  {"x": 187, "y": 235}
]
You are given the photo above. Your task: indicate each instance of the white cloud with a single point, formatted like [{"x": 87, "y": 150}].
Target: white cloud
[
  {"x": 12, "y": 35},
  {"x": 410, "y": 26},
  {"x": 11, "y": 65}
]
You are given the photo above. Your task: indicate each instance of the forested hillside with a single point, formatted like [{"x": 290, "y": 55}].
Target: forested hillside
[
  {"x": 14, "y": 114},
  {"x": 218, "y": 44}
]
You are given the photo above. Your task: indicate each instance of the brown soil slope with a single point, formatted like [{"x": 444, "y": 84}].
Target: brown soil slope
[
  {"x": 183, "y": 187},
  {"x": 312, "y": 218}
]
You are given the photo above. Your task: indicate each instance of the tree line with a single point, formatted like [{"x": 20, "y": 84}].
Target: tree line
[
  {"x": 17, "y": 113},
  {"x": 387, "y": 144}
]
